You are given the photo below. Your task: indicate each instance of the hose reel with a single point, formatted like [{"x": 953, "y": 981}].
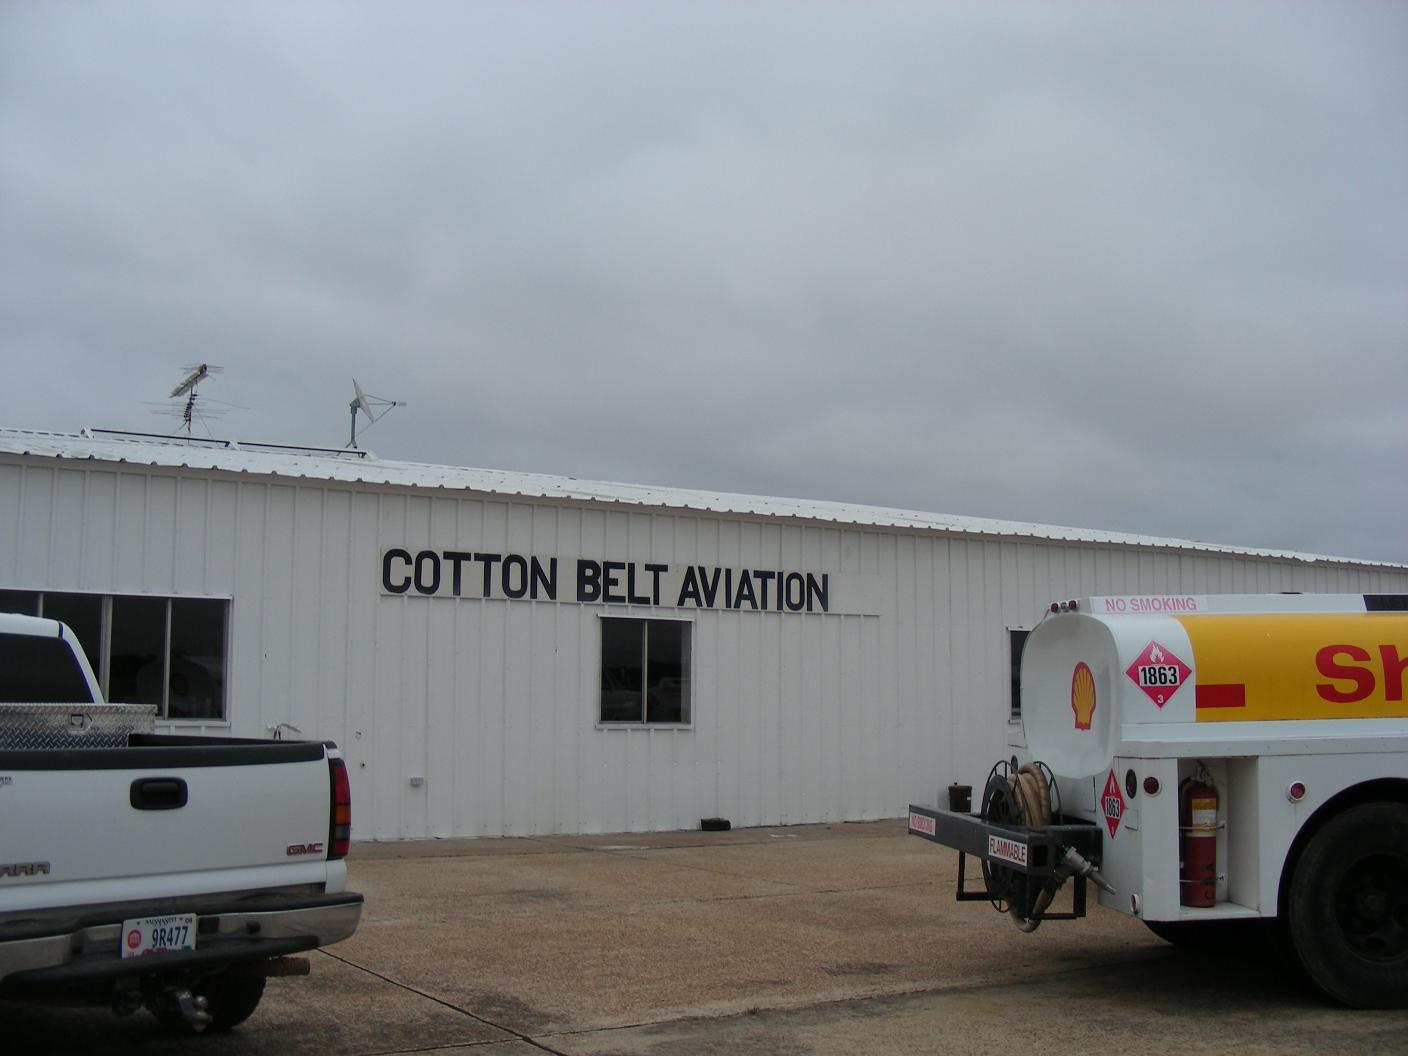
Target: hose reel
[{"x": 1026, "y": 796}]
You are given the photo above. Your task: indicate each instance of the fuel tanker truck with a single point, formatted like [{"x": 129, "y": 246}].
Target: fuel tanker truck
[{"x": 1206, "y": 760}]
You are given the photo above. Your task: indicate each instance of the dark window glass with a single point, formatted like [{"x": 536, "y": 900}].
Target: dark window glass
[
  {"x": 25, "y": 602},
  {"x": 196, "y": 688},
  {"x": 622, "y": 670},
  {"x": 137, "y": 670},
  {"x": 181, "y": 672},
  {"x": 667, "y": 671},
  {"x": 84, "y": 615},
  {"x": 1016, "y": 641},
  {"x": 645, "y": 670},
  {"x": 36, "y": 670}
]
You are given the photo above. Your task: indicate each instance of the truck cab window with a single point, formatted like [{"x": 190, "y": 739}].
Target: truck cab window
[{"x": 40, "y": 670}]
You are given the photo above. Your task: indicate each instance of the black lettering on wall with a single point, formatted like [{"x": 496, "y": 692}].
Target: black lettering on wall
[
  {"x": 547, "y": 580},
  {"x": 456, "y": 558},
  {"x": 763, "y": 578},
  {"x": 488, "y": 561},
  {"x": 588, "y": 580},
  {"x": 514, "y": 563},
  {"x": 631, "y": 595},
  {"x": 427, "y": 582},
  {"x": 655, "y": 573},
  {"x": 387, "y": 583},
  {"x": 610, "y": 570},
  {"x": 689, "y": 590},
  {"x": 796, "y": 592},
  {"x": 710, "y": 587},
  {"x": 745, "y": 591},
  {"x": 519, "y": 576}
]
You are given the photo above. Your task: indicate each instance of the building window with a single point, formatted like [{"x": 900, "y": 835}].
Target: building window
[
  {"x": 1016, "y": 640},
  {"x": 169, "y": 652},
  {"x": 645, "y": 667}
]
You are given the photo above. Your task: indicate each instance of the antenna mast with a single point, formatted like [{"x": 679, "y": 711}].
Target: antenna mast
[
  {"x": 368, "y": 405},
  {"x": 187, "y": 388}
]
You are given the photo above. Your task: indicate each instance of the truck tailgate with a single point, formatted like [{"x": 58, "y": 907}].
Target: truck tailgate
[{"x": 159, "y": 820}]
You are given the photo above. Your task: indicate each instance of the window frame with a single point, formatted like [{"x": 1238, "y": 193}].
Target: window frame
[
  {"x": 644, "y": 723},
  {"x": 102, "y": 664}
]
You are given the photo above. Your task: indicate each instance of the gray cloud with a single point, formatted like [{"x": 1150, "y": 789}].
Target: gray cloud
[{"x": 1138, "y": 268}]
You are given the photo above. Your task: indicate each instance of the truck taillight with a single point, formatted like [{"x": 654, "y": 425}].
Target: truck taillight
[{"x": 340, "y": 819}]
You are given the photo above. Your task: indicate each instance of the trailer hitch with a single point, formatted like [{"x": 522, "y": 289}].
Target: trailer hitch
[{"x": 192, "y": 1008}]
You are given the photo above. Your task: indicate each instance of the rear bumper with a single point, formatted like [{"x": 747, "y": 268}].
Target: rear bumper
[
  {"x": 82, "y": 945},
  {"x": 1023, "y": 867}
]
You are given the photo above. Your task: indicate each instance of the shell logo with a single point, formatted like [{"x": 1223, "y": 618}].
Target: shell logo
[{"x": 1083, "y": 695}]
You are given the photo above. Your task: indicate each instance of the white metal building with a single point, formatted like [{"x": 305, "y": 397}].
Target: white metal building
[{"x": 511, "y": 654}]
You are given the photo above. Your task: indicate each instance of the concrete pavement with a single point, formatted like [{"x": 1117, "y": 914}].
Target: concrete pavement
[{"x": 814, "y": 939}]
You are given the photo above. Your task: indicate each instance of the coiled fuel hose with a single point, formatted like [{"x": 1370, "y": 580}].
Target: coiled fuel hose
[{"x": 1032, "y": 799}]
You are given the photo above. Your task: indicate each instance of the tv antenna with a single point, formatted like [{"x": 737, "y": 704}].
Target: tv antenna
[
  {"x": 195, "y": 374},
  {"x": 374, "y": 407}
]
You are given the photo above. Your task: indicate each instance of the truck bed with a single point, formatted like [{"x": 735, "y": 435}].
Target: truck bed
[{"x": 166, "y": 816}]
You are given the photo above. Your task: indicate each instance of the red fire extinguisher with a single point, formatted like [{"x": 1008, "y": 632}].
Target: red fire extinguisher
[{"x": 1197, "y": 824}]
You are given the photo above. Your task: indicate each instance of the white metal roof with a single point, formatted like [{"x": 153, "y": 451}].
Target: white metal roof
[{"x": 359, "y": 467}]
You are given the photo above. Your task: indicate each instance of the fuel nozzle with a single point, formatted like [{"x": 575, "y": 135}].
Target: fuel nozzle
[{"x": 1072, "y": 864}]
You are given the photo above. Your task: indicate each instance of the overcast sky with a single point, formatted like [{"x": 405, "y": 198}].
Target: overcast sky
[{"x": 1139, "y": 268}]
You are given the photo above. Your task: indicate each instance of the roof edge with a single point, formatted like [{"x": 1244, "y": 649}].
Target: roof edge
[{"x": 350, "y": 466}]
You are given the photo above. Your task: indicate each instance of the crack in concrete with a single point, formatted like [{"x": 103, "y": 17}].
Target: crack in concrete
[{"x": 527, "y": 1039}]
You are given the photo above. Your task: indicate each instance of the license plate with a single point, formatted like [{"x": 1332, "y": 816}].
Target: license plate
[{"x": 146, "y": 935}]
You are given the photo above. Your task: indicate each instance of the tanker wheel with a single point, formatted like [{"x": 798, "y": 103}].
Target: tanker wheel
[{"x": 1347, "y": 911}]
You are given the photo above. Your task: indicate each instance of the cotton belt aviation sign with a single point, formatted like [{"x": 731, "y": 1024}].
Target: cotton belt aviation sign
[{"x": 525, "y": 577}]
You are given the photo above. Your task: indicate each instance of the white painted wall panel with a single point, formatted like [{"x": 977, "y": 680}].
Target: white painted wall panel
[
  {"x": 99, "y": 523},
  {"x": 36, "y": 517},
  {"x": 129, "y": 544},
  {"x": 66, "y": 529}
]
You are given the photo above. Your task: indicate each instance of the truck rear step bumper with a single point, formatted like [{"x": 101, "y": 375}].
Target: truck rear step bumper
[
  {"x": 49, "y": 950},
  {"x": 1027, "y": 850}
]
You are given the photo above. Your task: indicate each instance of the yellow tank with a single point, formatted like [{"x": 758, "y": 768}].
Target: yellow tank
[{"x": 1202, "y": 661}]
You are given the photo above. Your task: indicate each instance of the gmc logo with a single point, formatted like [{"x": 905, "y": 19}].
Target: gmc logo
[{"x": 295, "y": 849}]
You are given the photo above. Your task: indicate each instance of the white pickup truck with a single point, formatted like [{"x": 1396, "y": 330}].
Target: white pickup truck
[{"x": 142, "y": 869}]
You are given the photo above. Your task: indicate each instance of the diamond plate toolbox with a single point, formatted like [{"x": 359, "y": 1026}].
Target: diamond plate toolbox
[{"x": 31, "y": 726}]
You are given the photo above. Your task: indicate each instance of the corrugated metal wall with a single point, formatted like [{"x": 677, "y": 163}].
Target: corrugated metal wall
[{"x": 797, "y": 717}]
